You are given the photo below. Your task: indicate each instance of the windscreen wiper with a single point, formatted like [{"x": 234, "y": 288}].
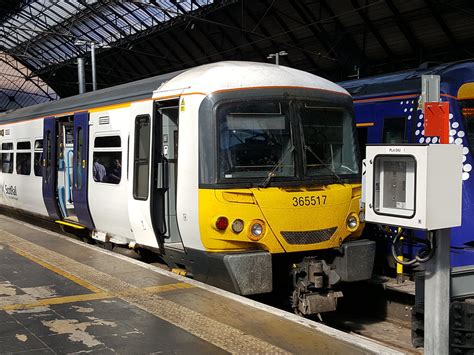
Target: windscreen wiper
[
  {"x": 308, "y": 148},
  {"x": 274, "y": 168}
]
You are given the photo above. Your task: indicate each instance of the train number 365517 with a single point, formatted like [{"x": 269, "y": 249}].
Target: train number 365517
[{"x": 309, "y": 200}]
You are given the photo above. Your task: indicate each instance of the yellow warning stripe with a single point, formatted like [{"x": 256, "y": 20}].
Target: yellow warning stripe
[
  {"x": 169, "y": 287},
  {"x": 110, "y": 107},
  {"x": 57, "y": 270},
  {"x": 73, "y": 225},
  {"x": 213, "y": 331},
  {"x": 365, "y": 124},
  {"x": 57, "y": 300},
  {"x": 100, "y": 294},
  {"x": 88, "y": 297}
]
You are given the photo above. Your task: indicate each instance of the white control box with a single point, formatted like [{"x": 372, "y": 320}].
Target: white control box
[{"x": 414, "y": 186}]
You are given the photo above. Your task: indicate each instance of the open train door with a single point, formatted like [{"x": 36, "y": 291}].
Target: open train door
[
  {"x": 49, "y": 163},
  {"x": 153, "y": 165},
  {"x": 145, "y": 228},
  {"x": 166, "y": 149},
  {"x": 80, "y": 169}
]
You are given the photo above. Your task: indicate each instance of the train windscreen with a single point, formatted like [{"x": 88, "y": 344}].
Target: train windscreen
[
  {"x": 328, "y": 140},
  {"x": 255, "y": 139},
  {"x": 284, "y": 139}
]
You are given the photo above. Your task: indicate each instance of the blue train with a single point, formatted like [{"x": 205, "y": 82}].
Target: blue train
[{"x": 387, "y": 111}]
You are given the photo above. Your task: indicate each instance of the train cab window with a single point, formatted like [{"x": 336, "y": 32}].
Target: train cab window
[
  {"x": 38, "y": 156},
  {"x": 328, "y": 140},
  {"x": 7, "y": 158},
  {"x": 23, "y": 158},
  {"x": 255, "y": 140},
  {"x": 107, "y": 158},
  {"x": 141, "y": 157},
  {"x": 394, "y": 130}
]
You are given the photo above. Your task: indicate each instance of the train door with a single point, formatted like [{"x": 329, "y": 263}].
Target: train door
[
  {"x": 65, "y": 161},
  {"x": 166, "y": 156},
  {"x": 80, "y": 163},
  {"x": 152, "y": 206},
  {"x": 140, "y": 172},
  {"x": 65, "y": 145},
  {"x": 48, "y": 164}
]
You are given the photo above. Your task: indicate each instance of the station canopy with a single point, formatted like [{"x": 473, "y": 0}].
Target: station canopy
[
  {"x": 40, "y": 40},
  {"x": 38, "y": 36}
]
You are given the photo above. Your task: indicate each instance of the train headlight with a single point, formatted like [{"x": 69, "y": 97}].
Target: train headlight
[
  {"x": 237, "y": 226},
  {"x": 257, "y": 230},
  {"x": 352, "y": 222},
  {"x": 222, "y": 223}
]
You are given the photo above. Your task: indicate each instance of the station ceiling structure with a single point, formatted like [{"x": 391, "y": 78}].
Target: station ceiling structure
[{"x": 40, "y": 40}]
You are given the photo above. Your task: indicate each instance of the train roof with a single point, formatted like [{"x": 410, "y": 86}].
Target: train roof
[
  {"x": 403, "y": 82},
  {"x": 228, "y": 75},
  {"x": 137, "y": 90},
  {"x": 235, "y": 75}
]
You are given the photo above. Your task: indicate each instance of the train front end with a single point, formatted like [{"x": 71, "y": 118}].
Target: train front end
[{"x": 279, "y": 192}]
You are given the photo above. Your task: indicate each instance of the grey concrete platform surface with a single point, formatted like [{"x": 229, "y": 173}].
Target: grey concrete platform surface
[{"x": 58, "y": 295}]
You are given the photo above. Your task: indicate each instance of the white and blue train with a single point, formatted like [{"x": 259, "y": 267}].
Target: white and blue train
[{"x": 240, "y": 173}]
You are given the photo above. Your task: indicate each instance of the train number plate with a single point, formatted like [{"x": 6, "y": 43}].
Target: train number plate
[{"x": 309, "y": 201}]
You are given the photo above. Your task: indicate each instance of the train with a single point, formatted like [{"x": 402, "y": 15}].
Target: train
[
  {"x": 242, "y": 175},
  {"x": 388, "y": 110}
]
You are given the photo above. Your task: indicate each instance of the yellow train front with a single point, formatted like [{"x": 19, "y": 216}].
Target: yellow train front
[{"x": 279, "y": 190}]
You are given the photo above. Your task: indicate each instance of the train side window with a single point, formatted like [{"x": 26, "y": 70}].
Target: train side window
[
  {"x": 47, "y": 158},
  {"x": 107, "y": 142},
  {"x": 141, "y": 157},
  {"x": 107, "y": 166},
  {"x": 38, "y": 156},
  {"x": 7, "y": 158},
  {"x": 394, "y": 130},
  {"x": 23, "y": 158},
  {"x": 79, "y": 168}
]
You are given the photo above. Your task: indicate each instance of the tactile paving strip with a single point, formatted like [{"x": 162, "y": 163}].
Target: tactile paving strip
[{"x": 219, "y": 334}]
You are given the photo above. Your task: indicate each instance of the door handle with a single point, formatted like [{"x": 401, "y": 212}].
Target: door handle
[{"x": 162, "y": 175}]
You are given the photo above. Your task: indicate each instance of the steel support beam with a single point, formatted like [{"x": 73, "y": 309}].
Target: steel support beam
[{"x": 437, "y": 295}]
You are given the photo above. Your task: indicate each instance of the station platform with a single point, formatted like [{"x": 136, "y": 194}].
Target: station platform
[{"x": 59, "y": 295}]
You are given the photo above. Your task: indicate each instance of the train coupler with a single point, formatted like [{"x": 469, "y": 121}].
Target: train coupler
[
  {"x": 312, "y": 282},
  {"x": 312, "y": 303}
]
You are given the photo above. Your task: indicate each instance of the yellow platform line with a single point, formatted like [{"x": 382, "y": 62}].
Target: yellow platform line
[
  {"x": 213, "y": 331},
  {"x": 89, "y": 297},
  {"x": 57, "y": 300},
  {"x": 79, "y": 281},
  {"x": 169, "y": 287},
  {"x": 56, "y": 270}
]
